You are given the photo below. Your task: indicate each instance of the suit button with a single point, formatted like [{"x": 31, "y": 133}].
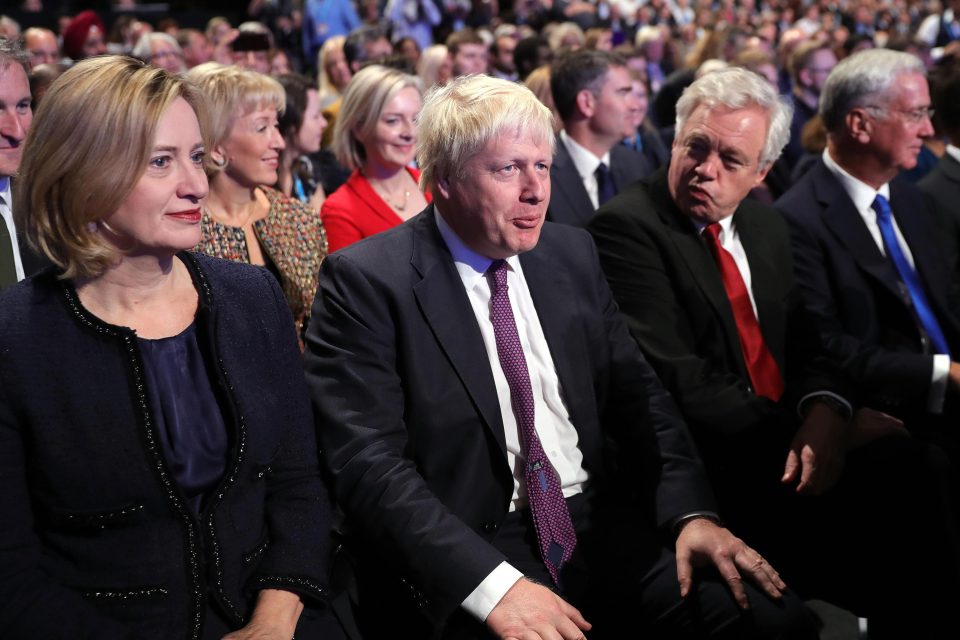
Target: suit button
[{"x": 489, "y": 527}]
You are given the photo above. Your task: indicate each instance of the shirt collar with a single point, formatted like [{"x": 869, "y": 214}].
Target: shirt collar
[
  {"x": 860, "y": 192},
  {"x": 954, "y": 152},
  {"x": 471, "y": 266},
  {"x": 583, "y": 159}
]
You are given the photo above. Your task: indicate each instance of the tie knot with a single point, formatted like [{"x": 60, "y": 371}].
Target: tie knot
[
  {"x": 712, "y": 230},
  {"x": 497, "y": 272},
  {"x": 881, "y": 207},
  {"x": 602, "y": 170}
]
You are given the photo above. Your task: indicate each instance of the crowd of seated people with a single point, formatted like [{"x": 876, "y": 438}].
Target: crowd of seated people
[{"x": 436, "y": 318}]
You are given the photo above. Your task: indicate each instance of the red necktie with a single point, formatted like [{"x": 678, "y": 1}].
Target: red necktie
[{"x": 763, "y": 370}]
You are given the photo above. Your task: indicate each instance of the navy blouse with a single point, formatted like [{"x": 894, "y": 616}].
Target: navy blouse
[{"x": 188, "y": 418}]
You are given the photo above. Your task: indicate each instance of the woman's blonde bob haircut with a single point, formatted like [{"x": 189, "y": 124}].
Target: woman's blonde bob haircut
[
  {"x": 363, "y": 100},
  {"x": 89, "y": 145},
  {"x": 232, "y": 92},
  {"x": 459, "y": 120}
]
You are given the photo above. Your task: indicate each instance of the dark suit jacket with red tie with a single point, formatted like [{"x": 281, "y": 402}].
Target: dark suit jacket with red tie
[
  {"x": 410, "y": 424},
  {"x": 861, "y": 310},
  {"x": 669, "y": 287}
]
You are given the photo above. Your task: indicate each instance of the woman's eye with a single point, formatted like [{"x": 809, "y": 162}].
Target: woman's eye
[{"x": 160, "y": 162}]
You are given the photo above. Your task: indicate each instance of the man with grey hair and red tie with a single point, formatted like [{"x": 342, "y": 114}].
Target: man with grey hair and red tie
[{"x": 507, "y": 461}]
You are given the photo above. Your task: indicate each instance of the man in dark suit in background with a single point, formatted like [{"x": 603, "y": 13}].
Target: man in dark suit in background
[
  {"x": 942, "y": 184},
  {"x": 502, "y": 451},
  {"x": 593, "y": 94},
  {"x": 705, "y": 279},
  {"x": 15, "y": 118},
  {"x": 869, "y": 262}
]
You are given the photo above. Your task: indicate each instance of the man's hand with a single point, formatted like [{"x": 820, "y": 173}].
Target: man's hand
[
  {"x": 817, "y": 452},
  {"x": 869, "y": 425},
  {"x": 702, "y": 542},
  {"x": 274, "y": 618},
  {"x": 953, "y": 376},
  {"x": 531, "y": 611}
]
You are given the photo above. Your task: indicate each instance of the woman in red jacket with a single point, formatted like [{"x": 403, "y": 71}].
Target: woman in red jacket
[{"x": 375, "y": 137}]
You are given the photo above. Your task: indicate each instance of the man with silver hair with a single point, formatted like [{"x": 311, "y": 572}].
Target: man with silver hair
[
  {"x": 705, "y": 278},
  {"x": 886, "y": 307},
  {"x": 507, "y": 461},
  {"x": 868, "y": 259}
]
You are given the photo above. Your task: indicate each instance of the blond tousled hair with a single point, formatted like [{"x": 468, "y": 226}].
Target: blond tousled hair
[{"x": 459, "y": 119}]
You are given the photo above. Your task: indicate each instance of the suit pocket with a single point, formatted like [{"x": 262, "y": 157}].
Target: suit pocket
[{"x": 77, "y": 520}]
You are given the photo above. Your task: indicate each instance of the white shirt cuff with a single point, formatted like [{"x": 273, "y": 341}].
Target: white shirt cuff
[
  {"x": 488, "y": 593},
  {"x": 938, "y": 385}
]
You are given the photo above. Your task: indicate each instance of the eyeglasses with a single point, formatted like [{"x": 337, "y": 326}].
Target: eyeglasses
[{"x": 914, "y": 116}]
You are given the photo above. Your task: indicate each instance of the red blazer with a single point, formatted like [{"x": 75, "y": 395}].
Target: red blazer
[{"x": 355, "y": 211}]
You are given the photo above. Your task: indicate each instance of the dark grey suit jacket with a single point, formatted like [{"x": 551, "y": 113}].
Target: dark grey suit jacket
[
  {"x": 410, "y": 423},
  {"x": 569, "y": 202}
]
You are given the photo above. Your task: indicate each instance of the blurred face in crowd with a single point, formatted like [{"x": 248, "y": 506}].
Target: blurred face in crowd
[
  {"x": 197, "y": 51},
  {"x": 279, "y": 63},
  {"x": 503, "y": 61},
  {"x": 814, "y": 74},
  {"x": 161, "y": 215},
  {"x": 41, "y": 46},
  {"x": 499, "y": 206},
  {"x": 615, "y": 107},
  {"x": 337, "y": 69},
  {"x": 311, "y": 129},
  {"x": 163, "y": 55},
  {"x": 94, "y": 44},
  {"x": 258, "y": 61},
  {"x": 470, "y": 59},
  {"x": 715, "y": 160},
  {"x": 252, "y": 148},
  {"x": 393, "y": 141},
  {"x": 15, "y": 116},
  {"x": 642, "y": 97}
]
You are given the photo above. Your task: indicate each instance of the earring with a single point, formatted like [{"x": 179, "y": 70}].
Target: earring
[
  {"x": 220, "y": 163},
  {"x": 92, "y": 226}
]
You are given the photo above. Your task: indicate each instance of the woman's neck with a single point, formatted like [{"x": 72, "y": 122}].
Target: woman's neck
[
  {"x": 232, "y": 203},
  {"x": 131, "y": 285}
]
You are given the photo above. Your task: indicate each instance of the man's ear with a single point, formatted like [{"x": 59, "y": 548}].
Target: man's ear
[
  {"x": 586, "y": 103},
  {"x": 859, "y": 126},
  {"x": 443, "y": 187}
]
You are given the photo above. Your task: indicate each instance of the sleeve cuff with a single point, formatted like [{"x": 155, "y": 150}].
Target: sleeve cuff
[
  {"x": 836, "y": 402},
  {"x": 938, "y": 384},
  {"x": 490, "y": 591}
]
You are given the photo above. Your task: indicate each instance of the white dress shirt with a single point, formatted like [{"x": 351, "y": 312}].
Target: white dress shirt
[
  {"x": 586, "y": 163},
  {"x": 863, "y": 196},
  {"x": 6, "y": 212},
  {"x": 557, "y": 434}
]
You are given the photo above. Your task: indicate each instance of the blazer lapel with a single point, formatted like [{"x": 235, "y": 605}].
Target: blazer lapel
[
  {"x": 842, "y": 218},
  {"x": 545, "y": 278},
  {"x": 766, "y": 280},
  {"x": 365, "y": 192},
  {"x": 568, "y": 190},
  {"x": 447, "y": 311},
  {"x": 923, "y": 247},
  {"x": 701, "y": 264}
]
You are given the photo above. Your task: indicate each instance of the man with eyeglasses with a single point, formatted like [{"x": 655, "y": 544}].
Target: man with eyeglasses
[
  {"x": 867, "y": 253},
  {"x": 809, "y": 67}
]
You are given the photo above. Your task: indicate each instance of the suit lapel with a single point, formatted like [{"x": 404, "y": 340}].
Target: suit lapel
[
  {"x": 545, "y": 278},
  {"x": 923, "y": 247},
  {"x": 701, "y": 264},
  {"x": 766, "y": 280},
  {"x": 842, "y": 218},
  {"x": 567, "y": 188},
  {"x": 447, "y": 311}
]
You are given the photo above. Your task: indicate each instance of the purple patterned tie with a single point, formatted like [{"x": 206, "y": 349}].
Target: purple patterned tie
[{"x": 551, "y": 518}]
